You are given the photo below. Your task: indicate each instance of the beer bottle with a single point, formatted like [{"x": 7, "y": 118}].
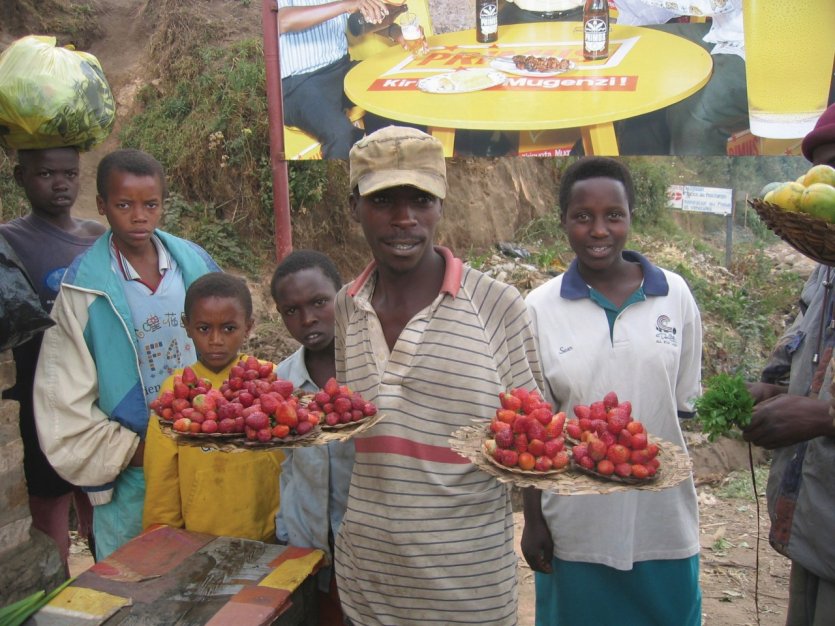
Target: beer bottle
[
  {"x": 358, "y": 26},
  {"x": 487, "y": 20},
  {"x": 595, "y": 30}
]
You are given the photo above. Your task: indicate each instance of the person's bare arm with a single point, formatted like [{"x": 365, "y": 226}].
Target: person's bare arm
[
  {"x": 294, "y": 19},
  {"x": 786, "y": 419}
]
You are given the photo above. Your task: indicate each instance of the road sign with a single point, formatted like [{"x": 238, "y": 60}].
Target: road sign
[{"x": 701, "y": 199}]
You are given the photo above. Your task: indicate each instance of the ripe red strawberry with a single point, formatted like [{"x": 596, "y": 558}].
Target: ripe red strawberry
[
  {"x": 585, "y": 424},
  {"x": 610, "y": 400},
  {"x": 554, "y": 446},
  {"x": 617, "y": 454},
  {"x": 536, "y": 431},
  {"x": 531, "y": 404},
  {"x": 331, "y": 419},
  {"x": 226, "y": 425},
  {"x": 237, "y": 371},
  {"x": 520, "y": 442},
  {"x": 536, "y": 447},
  {"x": 608, "y": 438},
  {"x": 561, "y": 459},
  {"x": 639, "y": 456},
  {"x": 281, "y": 431},
  {"x": 369, "y": 409},
  {"x": 623, "y": 469},
  {"x": 605, "y": 467},
  {"x": 285, "y": 413},
  {"x": 504, "y": 438},
  {"x": 209, "y": 426},
  {"x": 189, "y": 377},
  {"x": 558, "y": 423},
  {"x": 341, "y": 404},
  {"x": 284, "y": 387},
  {"x": 578, "y": 451},
  {"x": 573, "y": 430},
  {"x": 257, "y": 420},
  {"x": 639, "y": 471},
  {"x": 331, "y": 387},
  {"x": 303, "y": 428},
  {"x": 526, "y": 461},
  {"x": 269, "y": 402},
  {"x": 541, "y": 415},
  {"x": 357, "y": 402},
  {"x": 626, "y": 407},
  {"x": 246, "y": 398},
  {"x": 597, "y": 411},
  {"x": 582, "y": 411},
  {"x": 265, "y": 369},
  {"x": 543, "y": 464},
  {"x": 521, "y": 424},
  {"x": 624, "y": 438},
  {"x": 586, "y": 462},
  {"x": 510, "y": 402},
  {"x": 652, "y": 450},
  {"x": 634, "y": 427},
  {"x": 181, "y": 390},
  {"x": 520, "y": 393},
  {"x": 639, "y": 441},
  {"x": 597, "y": 449},
  {"x": 510, "y": 458}
]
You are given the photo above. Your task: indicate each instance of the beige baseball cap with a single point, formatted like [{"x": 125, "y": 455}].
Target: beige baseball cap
[{"x": 398, "y": 155}]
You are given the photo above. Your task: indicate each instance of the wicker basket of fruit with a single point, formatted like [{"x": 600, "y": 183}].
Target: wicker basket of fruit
[{"x": 802, "y": 213}]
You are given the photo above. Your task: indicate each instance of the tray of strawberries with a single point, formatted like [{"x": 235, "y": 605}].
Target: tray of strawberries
[
  {"x": 253, "y": 408},
  {"x": 602, "y": 449}
]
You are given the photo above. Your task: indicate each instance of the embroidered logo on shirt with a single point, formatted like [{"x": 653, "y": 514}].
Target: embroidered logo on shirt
[{"x": 665, "y": 331}]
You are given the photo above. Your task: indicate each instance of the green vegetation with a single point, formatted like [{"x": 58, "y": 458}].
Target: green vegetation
[
  {"x": 738, "y": 483},
  {"x": 13, "y": 201},
  {"x": 725, "y": 404}
]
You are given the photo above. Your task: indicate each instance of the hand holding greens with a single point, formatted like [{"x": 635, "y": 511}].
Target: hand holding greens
[{"x": 725, "y": 403}]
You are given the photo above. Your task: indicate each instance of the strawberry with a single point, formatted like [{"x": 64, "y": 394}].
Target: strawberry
[
  {"x": 189, "y": 377},
  {"x": 269, "y": 402},
  {"x": 520, "y": 393},
  {"x": 521, "y": 424},
  {"x": 357, "y": 402},
  {"x": 342, "y": 404},
  {"x": 284, "y": 387},
  {"x": 554, "y": 447},
  {"x": 209, "y": 426},
  {"x": 543, "y": 464},
  {"x": 610, "y": 400},
  {"x": 578, "y": 451},
  {"x": 181, "y": 390},
  {"x": 257, "y": 420},
  {"x": 599, "y": 426},
  {"x": 509, "y": 458},
  {"x": 520, "y": 442},
  {"x": 639, "y": 441},
  {"x": 617, "y": 422},
  {"x": 582, "y": 411},
  {"x": 639, "y": 471},
  {"x": 541, "y": 415},
  {"x": 369, "y": 409},
  {"x": 281, "y": 431},
  {"x": 626, "y": 407},
  {"x": 304, "y": 427},
  {"x": 536, "y": 447},
  {"x": 624, "y": 438},
  {"x": 182, "y": 425},
  {"x": 597, "y": 450},
  {"x": 652, "y": 450},
  {"x": 639, "y": 456},
  {"x": 608, "y": 438},
  {"x": 510, "y": 402},
  {"x": 585, "y": 423},
  {"x": 605, "y": 467},
  {"x": 526, "y": 461},
  {"x": 623, "y": 469},
  {"x": 536, "y": 431},
  {"x": 504, "y": 438},
  {"x": 617, "y": 454},
  {"x": 597, "y": 411},
  {"x": 286, "y": 414},
  {"x": 634, "y": 427},
  {"x": 331, "y": 419},
  {"x": 331, "y": 387},
  {"x": 573, "y": 430},
  {"x": 194, "y": 427},
  {"x": 265, "y": 369},
  {"x": 252, "y": 364},
  {"x": 246, "y": 398},
  {"x": 586, "y": 462},
  {"x": 561, "y": 459},
  {"x": 226, "y": 425},
  {"x": 204, "y": 403}
]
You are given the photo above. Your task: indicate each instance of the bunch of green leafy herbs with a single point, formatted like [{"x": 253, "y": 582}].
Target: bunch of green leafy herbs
[{"x": 725, "y": 403}]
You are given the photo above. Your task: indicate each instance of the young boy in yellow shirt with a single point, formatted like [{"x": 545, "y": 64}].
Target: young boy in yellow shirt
[{"x": 201, "y": 489}]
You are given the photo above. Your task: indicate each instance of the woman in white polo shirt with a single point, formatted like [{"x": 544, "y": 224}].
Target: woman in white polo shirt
[{"x": 615, "y": 322}]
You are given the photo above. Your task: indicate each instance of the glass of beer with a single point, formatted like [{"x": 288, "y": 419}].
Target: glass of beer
[
  {"x": 414, "y": 39},
  {"x": 789, "y": 49}
]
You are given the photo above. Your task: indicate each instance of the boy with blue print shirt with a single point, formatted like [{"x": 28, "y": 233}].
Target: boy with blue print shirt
[{"x": 117, "y": 337}]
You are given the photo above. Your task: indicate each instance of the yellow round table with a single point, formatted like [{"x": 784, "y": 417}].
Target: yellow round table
[{"x": 646, "y": 70}]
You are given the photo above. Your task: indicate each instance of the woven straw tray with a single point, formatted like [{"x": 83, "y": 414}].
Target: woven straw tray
[
  {"x": 675, "y": 468},
  {"x": 239, "y": 444},
  {"x": 812, "y": 236}
]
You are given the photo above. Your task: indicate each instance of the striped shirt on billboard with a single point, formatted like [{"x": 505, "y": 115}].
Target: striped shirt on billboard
[{"x": 311, "y": 49}]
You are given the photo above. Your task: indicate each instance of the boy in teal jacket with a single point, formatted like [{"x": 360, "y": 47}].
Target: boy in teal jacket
[{"x": 118, "y": 335}]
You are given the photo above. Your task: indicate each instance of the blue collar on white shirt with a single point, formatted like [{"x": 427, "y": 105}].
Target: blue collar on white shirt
[{"x": 655, "y": 283}]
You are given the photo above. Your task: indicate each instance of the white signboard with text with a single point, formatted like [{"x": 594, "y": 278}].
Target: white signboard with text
[{"x": 701, "y": 199}]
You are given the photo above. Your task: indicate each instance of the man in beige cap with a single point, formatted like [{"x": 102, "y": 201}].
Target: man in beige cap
[{"x": 427, "y": 538}]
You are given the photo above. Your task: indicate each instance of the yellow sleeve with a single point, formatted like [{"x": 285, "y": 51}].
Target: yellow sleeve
[{"x": 162, "y": 476}]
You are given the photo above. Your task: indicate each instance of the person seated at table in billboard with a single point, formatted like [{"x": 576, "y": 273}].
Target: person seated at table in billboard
[
  {"x": 702, "y": 123},
  {"x": 201, "y": 488},
  {"x": 529, "y": 11},
  {"x": 427, "y": 537},
  {"x": 314, "y": 59}
]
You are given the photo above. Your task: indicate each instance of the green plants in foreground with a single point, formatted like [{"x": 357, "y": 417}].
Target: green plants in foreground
[
  {"x": 725, "y": 404},
  {"x": 737, "y": 484}
]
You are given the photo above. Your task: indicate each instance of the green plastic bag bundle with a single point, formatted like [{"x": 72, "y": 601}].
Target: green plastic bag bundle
[{"x": 52, "y": 97}]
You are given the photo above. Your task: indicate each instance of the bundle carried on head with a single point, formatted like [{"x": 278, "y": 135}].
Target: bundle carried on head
[{"x": 52, "y": 97}]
